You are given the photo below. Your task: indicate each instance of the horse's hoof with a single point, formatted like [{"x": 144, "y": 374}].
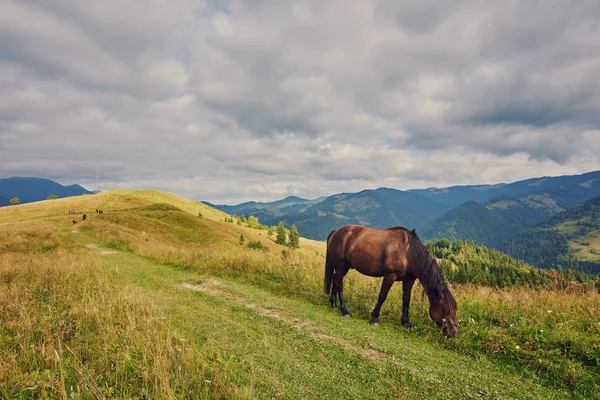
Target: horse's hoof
[
  {"x": 374, "y": 323},
  {"x": 347, "y": 315},
  {"x": 407, "y": 325}
]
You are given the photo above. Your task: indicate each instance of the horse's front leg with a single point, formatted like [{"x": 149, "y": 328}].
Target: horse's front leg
[
  {"x": 388, "y": 281},
  {"x": 406, "y": 290}
]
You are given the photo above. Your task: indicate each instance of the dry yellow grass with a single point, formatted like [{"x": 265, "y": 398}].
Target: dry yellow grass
[
  {"x": 66, "y": 332},
  {"x": 114, "y": 200}
]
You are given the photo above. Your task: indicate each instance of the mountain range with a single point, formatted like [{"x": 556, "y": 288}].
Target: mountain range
[
  {"x": 457, "y": 212},
  {"x": 499, "y": 216},
  {"x": 35, "y": 189}
]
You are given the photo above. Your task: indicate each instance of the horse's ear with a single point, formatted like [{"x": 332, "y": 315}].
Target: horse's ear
[{"x": 414, "y": 231}]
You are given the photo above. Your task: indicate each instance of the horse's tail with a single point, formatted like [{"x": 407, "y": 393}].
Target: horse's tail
[{"x": 328, "y": 267}]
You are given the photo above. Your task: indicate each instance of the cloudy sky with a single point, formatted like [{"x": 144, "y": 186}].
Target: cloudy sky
[{"x": 228, "y": 101}]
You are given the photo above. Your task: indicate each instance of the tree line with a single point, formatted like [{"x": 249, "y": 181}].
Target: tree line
[
  {"x": 466, "y": 262},
  {"x": 283, "y": 236}
]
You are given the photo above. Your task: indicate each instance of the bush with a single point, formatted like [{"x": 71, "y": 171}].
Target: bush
[{"x": 257, "y": 245}]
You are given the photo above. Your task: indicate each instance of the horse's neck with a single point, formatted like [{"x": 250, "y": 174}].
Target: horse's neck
[{"x": 430, "y": 277}]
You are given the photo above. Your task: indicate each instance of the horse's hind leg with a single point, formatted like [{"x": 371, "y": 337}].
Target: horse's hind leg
[
  {"x": 406, "y": 290},
  {"x": 333, "y": 298},
  {"x": 338, "y": 286},
  {"x": 386, "y": 285}
]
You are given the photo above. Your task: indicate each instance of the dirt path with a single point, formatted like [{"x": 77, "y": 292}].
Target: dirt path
[{"x": 218, "y": 288}]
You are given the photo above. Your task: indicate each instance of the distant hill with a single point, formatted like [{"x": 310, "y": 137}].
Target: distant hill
[
  {"x": 569, "y": 239},
  {"x": 268, "y": 211},
  {"x": 316, "y": 218},
  {"x": 35, "y": 189},
  {"x": 469, "y": 221},
  {"x": 493, "y": 223}
]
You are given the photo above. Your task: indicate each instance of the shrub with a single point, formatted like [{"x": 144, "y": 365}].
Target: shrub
[{"x": 257, "y": 245}]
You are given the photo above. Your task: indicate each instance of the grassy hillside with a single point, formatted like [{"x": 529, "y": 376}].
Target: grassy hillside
[
  {"x": 149, "y": 300},
  {"x": 570, "y": 239}
]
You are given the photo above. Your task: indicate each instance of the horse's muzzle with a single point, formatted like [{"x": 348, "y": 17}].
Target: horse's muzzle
[{"x": 450, "y": 331}]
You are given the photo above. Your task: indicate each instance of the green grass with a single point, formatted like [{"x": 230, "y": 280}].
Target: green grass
[{"x": 307, "y": 350}]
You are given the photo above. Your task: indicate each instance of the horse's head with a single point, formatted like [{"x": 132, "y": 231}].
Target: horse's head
[{"x": 444, "y": 313}]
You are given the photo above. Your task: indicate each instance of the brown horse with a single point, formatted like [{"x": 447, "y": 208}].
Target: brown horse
[
  {"x": 396, "y": 254},
  {"x": 83, "y": 217},
  {"x": 100, "y": 212},
  {"x": 74, "y": 221}
]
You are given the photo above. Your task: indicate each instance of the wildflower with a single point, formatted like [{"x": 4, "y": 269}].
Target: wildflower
[
  {"x": 517, "y": 347},
  {"x": 549, "y": 311},
  {"x": 541, "y": 331}
]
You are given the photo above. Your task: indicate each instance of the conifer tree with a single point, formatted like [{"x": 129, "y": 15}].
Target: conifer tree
[
  {"x": 294, "y": 237},
  {"x": 281, "y": 236}
]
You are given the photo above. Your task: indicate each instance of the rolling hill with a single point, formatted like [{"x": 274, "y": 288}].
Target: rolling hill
[
  {"x": 35, "y": 189},
  {"x": 569, "y": 239},
  {"x": 495, "y": 222},
  {"x": 469, "y": 221}
]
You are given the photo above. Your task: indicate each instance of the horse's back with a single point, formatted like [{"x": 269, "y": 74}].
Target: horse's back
[{"x": 371, "y": 251}]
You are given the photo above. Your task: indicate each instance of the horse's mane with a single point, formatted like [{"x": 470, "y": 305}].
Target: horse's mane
[
  {"x": 401, "y": 228},
  {"x": 431, "y": 277}
]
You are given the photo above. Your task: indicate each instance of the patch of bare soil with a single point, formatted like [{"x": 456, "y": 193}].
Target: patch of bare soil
[{"x": 298, "y": 323}]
